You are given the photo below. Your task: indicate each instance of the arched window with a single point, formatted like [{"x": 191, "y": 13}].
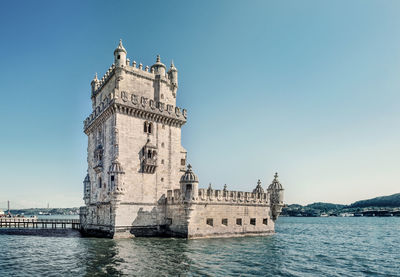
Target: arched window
[
  {"x": 149, "y": 154},
  {"x": 145, "y": 127},
  {"x": 150, "y": 128},
  {"x": 99, "y": 182}
]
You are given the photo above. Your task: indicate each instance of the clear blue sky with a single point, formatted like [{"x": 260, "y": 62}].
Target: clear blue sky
[{"x": 310, "y": 89}]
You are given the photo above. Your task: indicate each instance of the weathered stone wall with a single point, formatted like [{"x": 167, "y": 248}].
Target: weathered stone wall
[
  {"x": 201, "y": 212},
  {"x": 101, "y": 135},
  {"x": 223, "y": 208},
  {"x": 145, "y": 187}
]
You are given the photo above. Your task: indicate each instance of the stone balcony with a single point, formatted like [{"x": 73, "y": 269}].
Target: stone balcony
[{"x": 149, "y": 165}]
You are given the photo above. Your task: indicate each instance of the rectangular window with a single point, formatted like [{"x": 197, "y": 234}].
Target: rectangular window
[
  {"x": 183, "y": 161},
  {"x": 210, "y": 221},
  {"x": 265, "y": 221},
  {"x": 252, "y": 221},
  {"x": 239, "y": 221},
  {"x": 112, "y": 178},
  {"x": 225, "y": 221}
]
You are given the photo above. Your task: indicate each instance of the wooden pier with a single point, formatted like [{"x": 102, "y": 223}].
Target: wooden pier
[{"x": 36, "y": 223}]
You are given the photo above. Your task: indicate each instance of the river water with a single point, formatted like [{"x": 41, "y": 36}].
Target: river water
[{"x": 301, "y": 247}]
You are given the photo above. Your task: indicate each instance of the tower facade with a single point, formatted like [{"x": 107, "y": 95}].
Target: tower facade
[
  {"x": 137, "y": 183},
  {"x": 134, "y": 152}
]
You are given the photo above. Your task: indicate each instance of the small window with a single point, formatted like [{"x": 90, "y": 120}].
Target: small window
[
  {"x": 112, "y": 178},
  {"x": 265, "y": 221},
  {"x": 183, "y": 161},
  {"x": 252, "y": 221},
  {"x": 239, "y": 221},
  {"x": 149, "y": 154},
  {"x": 162, "y": 96},
  {"x": 162, "y": 161},
  {"x": 225, "y": 221},
  {"x": 210, "y": 221},
  {"x": 162, "y": 179},
  {"x": 119, "y": 56},
  {"x": 148, "y": 127},
  {"x": 100, "y": 182},
  {"x": 162, "y": 144}
]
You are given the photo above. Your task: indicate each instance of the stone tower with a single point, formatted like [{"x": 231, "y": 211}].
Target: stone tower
[{"x": 134, "y": 152}]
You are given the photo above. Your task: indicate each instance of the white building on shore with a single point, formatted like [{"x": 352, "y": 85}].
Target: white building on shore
[{"x": 138, "y": 182}]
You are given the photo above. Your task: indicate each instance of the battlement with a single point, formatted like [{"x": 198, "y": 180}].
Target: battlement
[
  {"x": 220, "y": 196},
  {"x": 140, "y": 71}
]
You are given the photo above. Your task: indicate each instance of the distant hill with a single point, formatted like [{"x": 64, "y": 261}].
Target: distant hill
[
  {"x": 390, "y": 203},
  {"x": 383, "y": 201},
  {"x": 324, "y": 206}
]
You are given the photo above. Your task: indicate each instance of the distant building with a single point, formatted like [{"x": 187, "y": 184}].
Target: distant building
[{"x": 138, "y": 183}]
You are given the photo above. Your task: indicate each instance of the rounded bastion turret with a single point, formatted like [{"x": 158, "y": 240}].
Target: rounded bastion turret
[
  {"x": 120, "y": 55},
  {"x": 189, "y": 185},
  {"x": 159, "y": 68},
  {"x": 173, "y": 75},
  {"x": 275, "y": 191}
]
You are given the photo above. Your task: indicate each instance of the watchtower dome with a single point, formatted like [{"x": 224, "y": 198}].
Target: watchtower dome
[{"x": 120, "y": 55}]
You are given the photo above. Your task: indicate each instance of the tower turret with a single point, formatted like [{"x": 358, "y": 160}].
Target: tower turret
[
  {"x": 120, "y": 55},
  {"x": 275, "y": 191},
  {"x": 258, "y": 188},
  {"x": 159, "y": 68},
  {"x": 189, "y": 185},
  {"x": 86, "y": 189},
  {"x": 95, "y": 83},
  {"x": 173, "y": 75},
  {"x": 115, "y": 173}
]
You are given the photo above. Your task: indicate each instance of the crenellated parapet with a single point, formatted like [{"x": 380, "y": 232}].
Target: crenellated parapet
[
  {"x": 190, "y": 193},
  {"x": 97, "y": 85},
  {"x": 230, "y": 196},
  {"x": 220, "y": 196},
  {"x": 157, "y": 72}
]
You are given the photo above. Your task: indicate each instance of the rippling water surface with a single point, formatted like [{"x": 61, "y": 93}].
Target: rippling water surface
[{"x": 301, "y": 247}]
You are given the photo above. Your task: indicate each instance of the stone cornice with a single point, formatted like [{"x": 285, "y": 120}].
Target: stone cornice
[{"x": 147, "y": 109}]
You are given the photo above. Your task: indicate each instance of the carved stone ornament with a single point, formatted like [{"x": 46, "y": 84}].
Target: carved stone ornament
[
  {"x": 124, "y": 96},
  {"x": 177, "y": 111},
  {"x": 169, "y": 108},
  {"x": 152, "y": 104},
  {"x": 184, "y": 113},
  {"x": 161, "y": 106},
  {"x": 144, "y": 101},
  {"x": 134, "y": 99}
]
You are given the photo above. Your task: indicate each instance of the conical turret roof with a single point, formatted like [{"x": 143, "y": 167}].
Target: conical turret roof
[
  {"x": 189, "y": 176},
  {"x": 275, "y": 185},
  {"x": 120, "y": 47},
  {"x": 158, "y": 63}
]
